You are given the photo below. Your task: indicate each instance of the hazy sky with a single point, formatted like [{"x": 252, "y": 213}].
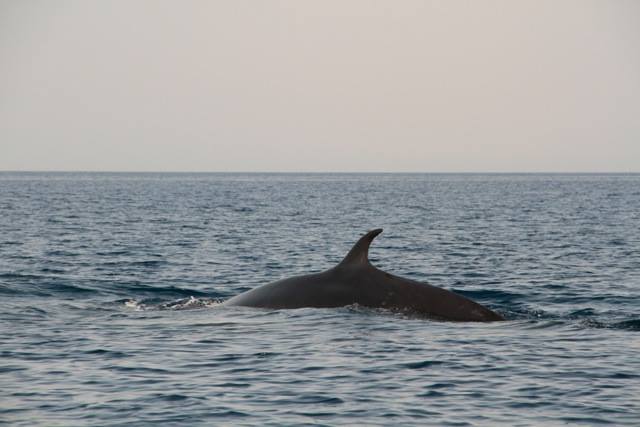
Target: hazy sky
[{"x": 433, "y": 86}]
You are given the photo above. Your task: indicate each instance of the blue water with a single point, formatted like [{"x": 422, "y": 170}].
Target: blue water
[{"x": 111, "y": 283}]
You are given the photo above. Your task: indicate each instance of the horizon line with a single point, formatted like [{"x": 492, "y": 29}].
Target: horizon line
[{"x": 323, "y": 172}]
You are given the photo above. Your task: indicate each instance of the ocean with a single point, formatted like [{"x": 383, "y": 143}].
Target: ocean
[{"x": 111, "y": 286}]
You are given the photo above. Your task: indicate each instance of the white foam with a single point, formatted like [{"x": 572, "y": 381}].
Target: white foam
[{"x": 181, "y": 304}]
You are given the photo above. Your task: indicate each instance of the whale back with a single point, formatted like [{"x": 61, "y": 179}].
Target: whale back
[{"x": 355, "y": 281}]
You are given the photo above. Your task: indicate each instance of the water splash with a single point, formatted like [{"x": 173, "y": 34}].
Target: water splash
[{"x": 189, "y": 303}]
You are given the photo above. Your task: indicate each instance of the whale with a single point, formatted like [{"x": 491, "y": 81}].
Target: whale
[{"x": 354, "y": 281}]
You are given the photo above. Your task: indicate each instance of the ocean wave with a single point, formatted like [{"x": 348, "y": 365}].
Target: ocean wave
[
  {"x": 189, "y": 303},
  {"x": 631, "y": 324},
  {"x": 495, "y": 296},
  {"x": 41, "y": 286}
]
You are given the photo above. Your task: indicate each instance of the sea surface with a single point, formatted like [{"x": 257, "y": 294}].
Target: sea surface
[{"x": 111, "y": 286}]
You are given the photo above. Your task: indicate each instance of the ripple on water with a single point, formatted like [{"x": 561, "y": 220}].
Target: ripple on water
[{"x": 111, "y": 286}]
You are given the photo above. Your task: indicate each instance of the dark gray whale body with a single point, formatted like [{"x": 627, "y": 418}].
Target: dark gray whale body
[{"x": 356, "y": 281}]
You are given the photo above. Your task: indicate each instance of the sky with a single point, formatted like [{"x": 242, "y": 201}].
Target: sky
[{"x": 320, "y": 86}]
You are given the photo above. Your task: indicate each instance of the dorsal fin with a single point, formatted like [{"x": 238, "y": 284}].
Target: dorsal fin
[{"x": 359, "y": 254}]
